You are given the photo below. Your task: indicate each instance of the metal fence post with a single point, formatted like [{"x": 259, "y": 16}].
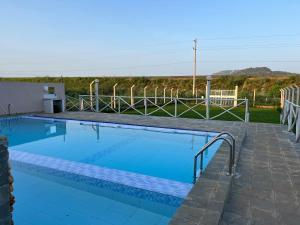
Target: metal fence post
[
  {"x": 286, "y": 109},
  {"x": 175, "y": 103},
  {"x": 254, "y": 96},
  {"x": 298, "y": 96},
  {"x": 207, "y": 96},
  {"x": 80, "y": 103},
  {"x": 246, "y": 110},
  {"x": 145, "y": 104},
  {"x": 114, "y": 98},
  {"x": 281, "y": 98},
  {"x": 235, "y": 96},
  {"x": 285, "y": 96},
  {"x": 289, "y": 93},
  {"x": 293, "y": 95},
  {"x": 297, "y": 125},
  {"x": 119, "y": 105},
  {"x": 131, "y": 96},
  {"x": 97, "y": 94},
  {"x": 155, "y": 95},
  {"x": 290, "y": 117},
  {"x": 145, "y": 91}
]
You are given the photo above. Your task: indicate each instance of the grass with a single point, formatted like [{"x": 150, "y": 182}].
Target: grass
[{"x": 256, "y": 114}]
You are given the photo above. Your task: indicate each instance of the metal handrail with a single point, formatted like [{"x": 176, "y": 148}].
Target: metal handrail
[
  {"x": 233, "y": 143},
  {"x": 200, "y": 153},
  {"x": 9, "y": 112}
]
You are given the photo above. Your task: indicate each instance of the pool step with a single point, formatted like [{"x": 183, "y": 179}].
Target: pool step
[{"x": 115, "y": 179}]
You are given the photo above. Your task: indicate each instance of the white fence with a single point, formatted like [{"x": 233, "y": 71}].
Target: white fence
[
  {"x": 169, "y": 106},
  {"x": 225, "y": 97},
  {"x": 290, "y": 100}
]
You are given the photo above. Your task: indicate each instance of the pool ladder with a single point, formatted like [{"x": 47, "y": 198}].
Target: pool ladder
[{"x": 221, "y": 136}]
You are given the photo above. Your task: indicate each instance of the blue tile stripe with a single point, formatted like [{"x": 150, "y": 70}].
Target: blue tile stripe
[{"x": 154, "y": 184}]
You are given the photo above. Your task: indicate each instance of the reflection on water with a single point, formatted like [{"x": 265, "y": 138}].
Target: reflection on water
[{"x": 20, "y": 131}]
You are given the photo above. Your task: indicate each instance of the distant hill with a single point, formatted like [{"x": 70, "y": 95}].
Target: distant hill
[{"x": 256, "y": 71}]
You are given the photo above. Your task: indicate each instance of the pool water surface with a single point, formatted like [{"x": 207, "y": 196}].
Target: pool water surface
[{"x": 78, "y": 172}]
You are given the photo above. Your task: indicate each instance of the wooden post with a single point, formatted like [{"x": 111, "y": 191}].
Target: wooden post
[
  {"x": 177, "y": 93},
  {"x": 171, "y": 94}
]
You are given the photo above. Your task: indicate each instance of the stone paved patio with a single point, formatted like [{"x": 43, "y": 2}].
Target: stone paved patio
[{"x": 266, "y": 188}]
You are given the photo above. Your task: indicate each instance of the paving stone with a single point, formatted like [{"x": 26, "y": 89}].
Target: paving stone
[
  {"x": 261, "y": 217},
  {"x": 234, "y": 219},
  {"x": 274, "y": 192}
]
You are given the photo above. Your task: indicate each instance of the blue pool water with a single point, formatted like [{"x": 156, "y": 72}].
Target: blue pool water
[
  {"x": 40, "y": 200},
  {"x": 108, "y": 173}
]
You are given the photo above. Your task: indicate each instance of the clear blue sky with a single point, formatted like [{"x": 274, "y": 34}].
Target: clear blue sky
[{"x": 143, "y": 37}]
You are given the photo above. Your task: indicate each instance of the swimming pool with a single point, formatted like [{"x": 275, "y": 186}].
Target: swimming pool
[{"x": 145, "y": 169}]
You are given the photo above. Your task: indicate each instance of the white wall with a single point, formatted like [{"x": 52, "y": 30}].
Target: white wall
[{"x": 26, "y": 97}]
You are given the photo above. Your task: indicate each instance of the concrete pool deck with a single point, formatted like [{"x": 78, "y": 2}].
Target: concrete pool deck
[{"x": 265, "y": 189}]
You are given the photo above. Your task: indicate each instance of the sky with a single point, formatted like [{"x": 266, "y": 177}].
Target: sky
[{"x": 146, "y": 38}]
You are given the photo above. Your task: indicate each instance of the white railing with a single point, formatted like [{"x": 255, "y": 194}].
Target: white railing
[
  {"x": 166, "y": 106},
  {"x": 290, "y": 115},
  {"x": 224, "y": 97}
]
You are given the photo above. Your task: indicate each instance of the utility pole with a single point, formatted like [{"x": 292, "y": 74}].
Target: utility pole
[{"x": 195, "y": 65}]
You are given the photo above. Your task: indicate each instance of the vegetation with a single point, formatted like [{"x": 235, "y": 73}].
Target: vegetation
[{"x": 267, "y": 84}]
